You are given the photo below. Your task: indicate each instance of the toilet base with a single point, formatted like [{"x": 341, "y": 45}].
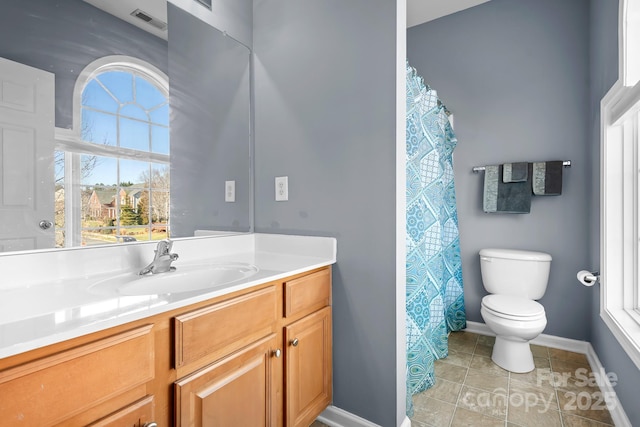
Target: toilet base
[{"x": 513, "y": 354}]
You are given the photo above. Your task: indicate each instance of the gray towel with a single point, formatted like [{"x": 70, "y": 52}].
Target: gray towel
[
  {"x": 515, "y": 172},
  {"x": 500, "y": 197},
  {"x": 547, "y": 178}
]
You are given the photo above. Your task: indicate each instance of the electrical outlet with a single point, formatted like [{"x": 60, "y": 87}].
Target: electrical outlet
[
  {"x": 282, "y": 188},
  {"x": 229, "y": 191}
]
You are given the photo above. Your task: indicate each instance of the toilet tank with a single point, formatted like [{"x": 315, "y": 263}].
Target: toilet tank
[{"x": 515, "y": 272}]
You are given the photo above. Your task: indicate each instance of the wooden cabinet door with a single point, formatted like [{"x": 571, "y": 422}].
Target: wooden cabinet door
[
  {"x": 308, "y": 367},
  {"x": 238, "y": 390}
]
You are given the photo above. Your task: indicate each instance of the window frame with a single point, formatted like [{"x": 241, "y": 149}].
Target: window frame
[
  {"x": 70, "y": 140},
  {"x": 620, "y": 192}
]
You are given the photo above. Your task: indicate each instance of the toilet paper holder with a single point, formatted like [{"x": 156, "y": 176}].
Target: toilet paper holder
[{"x": 588, "y": 278}]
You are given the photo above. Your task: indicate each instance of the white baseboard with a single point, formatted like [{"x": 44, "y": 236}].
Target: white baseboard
[
  {"x": 543, "y": 339},
  {"x": 479, "y": 328},
  {"x": 618, "y": 415},
  {"x": 336, "y": 417}
]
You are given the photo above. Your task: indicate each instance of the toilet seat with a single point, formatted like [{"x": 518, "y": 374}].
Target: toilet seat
[{"x": 513, "y": 308}]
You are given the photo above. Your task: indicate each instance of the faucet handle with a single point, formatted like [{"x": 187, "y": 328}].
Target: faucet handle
[{"x": 164, "y": 247}]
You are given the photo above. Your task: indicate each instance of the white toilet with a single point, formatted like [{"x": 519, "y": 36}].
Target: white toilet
[{"x": 514, "y": 278}]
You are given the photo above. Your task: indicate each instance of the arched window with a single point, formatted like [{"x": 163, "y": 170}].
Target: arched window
[
  {"x": 122, "y": 108},
  {"x": 116, "y": 167}
]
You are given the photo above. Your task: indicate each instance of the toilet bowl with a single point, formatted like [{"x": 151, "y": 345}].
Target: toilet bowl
[
  {"x": 515, "y": 321},
  {"x": 515, "y": 279}
]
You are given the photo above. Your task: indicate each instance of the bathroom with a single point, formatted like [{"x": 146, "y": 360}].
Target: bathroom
[{"x": 523, "y": 79}]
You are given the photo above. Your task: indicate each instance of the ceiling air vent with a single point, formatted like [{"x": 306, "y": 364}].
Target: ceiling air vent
[
  {"x": 205, "y": 3},
  {"x": 140, "y": 14}
]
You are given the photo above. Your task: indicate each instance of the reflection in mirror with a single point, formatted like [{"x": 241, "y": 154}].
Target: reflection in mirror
[
  {"x": 133, "y": 134},
  {"x": 210, "y": 114}
]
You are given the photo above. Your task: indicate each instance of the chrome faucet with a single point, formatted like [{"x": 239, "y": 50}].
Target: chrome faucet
[{"x": 162, "y": 261}]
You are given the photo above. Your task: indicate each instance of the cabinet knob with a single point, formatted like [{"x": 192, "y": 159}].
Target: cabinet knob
[
  {"x": 150, "y": 424},
  {"x": 294, "y": 342},
  {"x": 277, "y": 353}
]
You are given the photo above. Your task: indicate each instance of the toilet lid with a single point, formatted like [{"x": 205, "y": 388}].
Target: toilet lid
[{"x": 513, "y": 306}]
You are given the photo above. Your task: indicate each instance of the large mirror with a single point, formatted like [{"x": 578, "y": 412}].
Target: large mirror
[{"x": 145, "y": 132}]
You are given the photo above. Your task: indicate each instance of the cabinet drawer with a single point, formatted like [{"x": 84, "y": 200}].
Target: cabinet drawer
[
  {"x": 224, "y": 327},
  {"x": 70, "y": 382},
  {"x": 308, "y": 293},
  {"x": 136, "y": 414}
]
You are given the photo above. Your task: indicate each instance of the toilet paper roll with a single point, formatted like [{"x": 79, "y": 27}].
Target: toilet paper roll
[{"x": 587, "y": 278}]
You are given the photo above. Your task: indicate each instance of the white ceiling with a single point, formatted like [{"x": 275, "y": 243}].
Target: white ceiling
[{"x": 420, "y": 11}]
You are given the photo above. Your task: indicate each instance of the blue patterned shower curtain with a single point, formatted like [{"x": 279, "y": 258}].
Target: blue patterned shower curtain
[{"x": 435, "y": 301}]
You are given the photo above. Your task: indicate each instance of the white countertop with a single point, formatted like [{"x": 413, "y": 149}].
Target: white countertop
[{"x": 38, "y": 308}]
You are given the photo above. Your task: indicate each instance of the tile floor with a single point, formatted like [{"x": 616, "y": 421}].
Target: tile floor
[{"x": 471, "y": 390}]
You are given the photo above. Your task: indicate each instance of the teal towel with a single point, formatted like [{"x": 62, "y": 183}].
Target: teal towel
[
  {"x": 515, "y": 172},
  {"x": 501, "y": 197},
  {"x": 547, "y": 178}
]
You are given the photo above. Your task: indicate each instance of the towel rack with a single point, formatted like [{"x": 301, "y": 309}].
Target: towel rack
[{"x": 476, "y": 169}]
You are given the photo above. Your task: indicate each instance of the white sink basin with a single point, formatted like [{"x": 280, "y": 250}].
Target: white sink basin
[{"x": 185, "y": 278}]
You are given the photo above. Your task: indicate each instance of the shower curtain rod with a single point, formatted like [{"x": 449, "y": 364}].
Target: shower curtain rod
[{"x": 476, "y": 169}]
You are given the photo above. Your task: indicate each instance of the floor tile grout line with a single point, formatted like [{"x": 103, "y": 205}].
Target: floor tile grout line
[
  {"x": 506, "y": 416},
  {"x": 455, "y": 409},
  {"x": 558, "y": 400},
  {"x": 555, "y": 389}
]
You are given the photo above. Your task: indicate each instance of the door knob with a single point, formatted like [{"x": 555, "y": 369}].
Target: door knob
[
  {"x": 277, "y": 353},
  {"x": 45, "y": 224},
  {"x": 294, "y": 342},
  {"x": 150, "y": 424}
]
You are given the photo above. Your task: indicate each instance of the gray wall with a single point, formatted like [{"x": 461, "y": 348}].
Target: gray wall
[
  {"x": 325, "y": 117},
  {"x": 210, "y": 127},
  {"x": 515, "y": 74},
  {"x": 65, "y": 36},
  {"x": 604, "y": 72}
]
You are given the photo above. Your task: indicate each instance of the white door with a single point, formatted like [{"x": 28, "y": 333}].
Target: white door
[{"x": 26, "y": 157}]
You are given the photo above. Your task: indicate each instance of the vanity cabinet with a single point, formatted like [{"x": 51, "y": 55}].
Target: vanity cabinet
[
  {"x": 255, "y": 357},
  {"x": 271, "y": 357}
]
